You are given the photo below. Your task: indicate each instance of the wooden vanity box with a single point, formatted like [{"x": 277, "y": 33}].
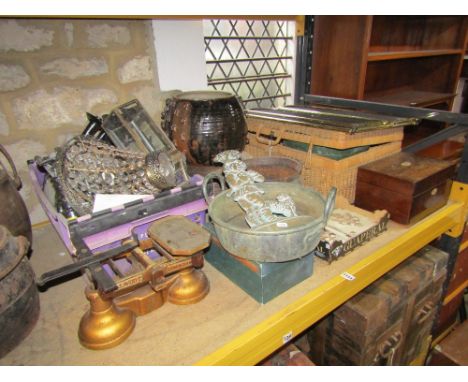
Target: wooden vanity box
[{"x": 408, "y": 186}]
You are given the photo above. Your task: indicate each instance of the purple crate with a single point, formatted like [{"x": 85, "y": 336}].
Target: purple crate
[{"x": 106, "y": 229}]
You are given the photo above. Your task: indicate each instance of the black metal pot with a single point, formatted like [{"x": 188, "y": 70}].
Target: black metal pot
[
  {"x": 19, "y": 298},
  {"x": 13, "y": 212},
  {"x": 204, "y": 123}
]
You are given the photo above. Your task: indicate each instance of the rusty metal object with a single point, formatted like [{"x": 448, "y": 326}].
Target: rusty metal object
[
  {"x": 13, "y": 212},
  {"x": 204, "y": 123},
  {"x": 19, "y": 299}
]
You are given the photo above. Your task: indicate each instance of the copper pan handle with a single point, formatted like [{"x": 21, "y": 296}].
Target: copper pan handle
[
  {"x": 329, "y": 205},
  {"x": 209, "y": 177}
]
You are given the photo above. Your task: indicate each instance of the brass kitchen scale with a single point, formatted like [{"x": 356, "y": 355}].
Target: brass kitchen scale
[
  {"x": 164, "y": 265},
  {"x": 347, "y": 121}
]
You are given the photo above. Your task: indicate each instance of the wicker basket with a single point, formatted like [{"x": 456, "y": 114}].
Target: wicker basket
[
  {"x": 322, "y": 173},
  {"x": 277, "y": 131}
]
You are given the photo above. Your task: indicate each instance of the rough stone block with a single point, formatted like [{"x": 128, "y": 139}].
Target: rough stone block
[
  {"x": 105, "y": 35},
  {"x": 23, "y": 38},
  {"x": 4, "y": 127},
  {"x": 73, "y": 68},
  {"x": 137, "y": 69},
  {"x": 13, "y": 77},
  {"x": 23, "y": 150},
  {"x": 61, "y": 105},
  {"x": 64, "y": 138},
  {"x": 20, "y": 152},
  {"x": 147, "y": 95},
  {"x": 69, "y": 29}
]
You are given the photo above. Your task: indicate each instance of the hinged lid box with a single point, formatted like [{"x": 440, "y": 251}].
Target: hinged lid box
[{"x": 409, "y": 187}]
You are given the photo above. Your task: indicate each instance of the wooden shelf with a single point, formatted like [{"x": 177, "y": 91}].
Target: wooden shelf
[
  {"x": 372, "y": 57},
  {"x": 406, "y": 54},
  {"x": 410, "y": 97},
  {"x": 227, "y": 327}
]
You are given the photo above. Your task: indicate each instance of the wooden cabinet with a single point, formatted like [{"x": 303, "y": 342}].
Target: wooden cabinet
[{"x": 404, "y": 60}]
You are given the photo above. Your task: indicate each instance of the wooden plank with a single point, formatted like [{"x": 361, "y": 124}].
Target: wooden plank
[
  {"x": 409, "y": 97},
  {"x": 405, "y": 54},
  {"x": 228, "y": 326}
]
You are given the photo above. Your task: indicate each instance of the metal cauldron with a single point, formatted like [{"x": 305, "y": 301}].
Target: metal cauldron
[
  {"x": 13, "y": 212},
  {"x": 204, "y": 123},
  {"x": 19, "y": 298},
  {"x": 273, "y": 242}
]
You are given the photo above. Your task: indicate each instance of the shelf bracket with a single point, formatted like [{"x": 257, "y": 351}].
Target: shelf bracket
[{"x": 459, "y": 193}]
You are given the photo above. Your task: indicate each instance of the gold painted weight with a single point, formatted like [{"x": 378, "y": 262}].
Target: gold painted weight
[{"x": 175, "y": 277}]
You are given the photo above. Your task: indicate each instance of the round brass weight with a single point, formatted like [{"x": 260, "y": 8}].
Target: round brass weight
[
  {"x": 104, "y": 325},
  {"x": 190, "y": 287}
]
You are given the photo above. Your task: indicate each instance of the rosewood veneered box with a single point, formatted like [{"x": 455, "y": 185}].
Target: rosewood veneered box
[{"x": 408, "y": 186}]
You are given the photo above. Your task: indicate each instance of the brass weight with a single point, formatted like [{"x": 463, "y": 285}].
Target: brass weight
[
  {"x": 176, "y": 277},
  {"x": 104, "y": 325},
  {"x": 190, "y": 287}
]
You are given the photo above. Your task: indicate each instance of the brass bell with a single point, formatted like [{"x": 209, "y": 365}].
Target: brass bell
[
  {"x": 104, "y": 325},
  {"x": 190, "y": 287}
]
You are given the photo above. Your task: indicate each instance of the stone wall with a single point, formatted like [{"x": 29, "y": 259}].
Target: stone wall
[{"x": 54, "y": 71}]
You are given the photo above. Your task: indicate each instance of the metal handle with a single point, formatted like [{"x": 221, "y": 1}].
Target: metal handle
[
  {"x": 425, "y": 312},
  {"x": 85, "y": 262},
  {"x": 268, "y": 141},
  {"x": 329, "y": 204},
  {"x": 207, "y": 179},
  {"x": 388, "y": 348},
  {"x": 16, "y": 177}
]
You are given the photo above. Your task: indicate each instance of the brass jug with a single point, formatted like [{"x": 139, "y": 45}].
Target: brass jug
[{"x": 13, "y": 213}]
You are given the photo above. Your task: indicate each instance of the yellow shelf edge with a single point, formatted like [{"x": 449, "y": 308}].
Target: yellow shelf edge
[
  {"x": 263, "y": 339},
  {"x": 463, "y": 246},
  {"x": 455, "y": 292}
]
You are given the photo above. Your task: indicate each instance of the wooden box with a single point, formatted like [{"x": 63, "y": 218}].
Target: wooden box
[
  {"x": 289, "y": 355},
  {"x": 448, "y": 315},
  {"x": 409, "y": 187},
  {"x": 363, "y": 331},
  {"x": 262, "y": 281},
  {"x": 348, "y": 228},
  {"x": 389, "y": 321},
  {"x": 452, "y": 351}
]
